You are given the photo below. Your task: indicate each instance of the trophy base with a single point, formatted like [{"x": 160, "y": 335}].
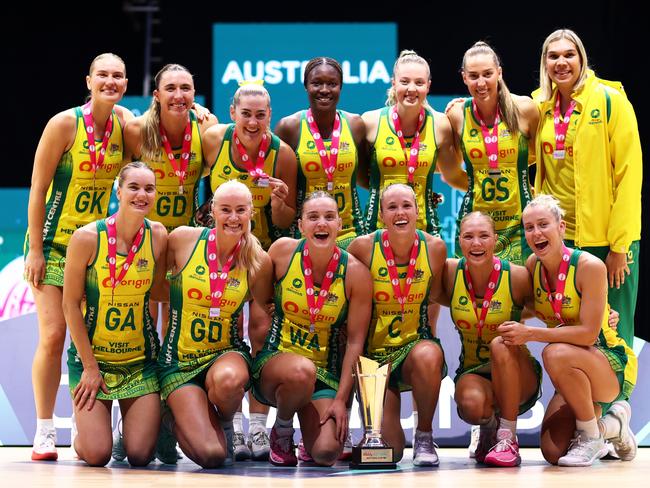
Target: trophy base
[{"x": 372, "y": 458}]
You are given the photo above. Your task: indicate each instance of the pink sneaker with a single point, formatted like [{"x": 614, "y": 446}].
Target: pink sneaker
[
  {"x": 303, "y": 455},
  {"x": 505, "y": 453},
  {"x": 282, "y": 450}
]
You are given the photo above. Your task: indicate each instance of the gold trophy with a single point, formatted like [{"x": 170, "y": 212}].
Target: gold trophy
[{"x": 371, "y": 380}]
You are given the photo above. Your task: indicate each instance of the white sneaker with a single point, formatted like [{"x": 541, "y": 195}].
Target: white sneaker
[
  {"x": 259, "y": 444},
  {"x": 424, "y": 450},
  {"x": 45, "y": 445},
  {"x": 583, "y": 451},
  {"x": 73, "y": 435},
  {"x": 475, "y": 434},
  {"x": 625, "y": 444},
  {"x": 241, "y": 449}
]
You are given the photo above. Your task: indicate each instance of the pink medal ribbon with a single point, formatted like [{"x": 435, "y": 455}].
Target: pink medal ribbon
[
  {"x": 315, "y": 306},
  {"x": 111, "y": 231},
  {"x": 256, "y": 170},
  {"x": 96, "y": 161},
  {"x": 556, "y": 299},
  {"x": 179, "y": 170},
  {"x": 392, "y": 269},
  {"x": 218, "y": 278},
  {"x": 491, "y": 141},
  {"x": 561, "y": 127},
  {"x": 489, "y": 293},
  {"x": 412, "y": 163},
  {"x": 329, "y": 163}
]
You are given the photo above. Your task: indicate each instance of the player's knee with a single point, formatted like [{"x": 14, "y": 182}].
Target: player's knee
[{"x": 557, "y": 358}]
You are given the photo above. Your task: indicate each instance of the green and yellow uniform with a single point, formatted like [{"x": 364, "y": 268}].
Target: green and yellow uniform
[
  {"x": 172, "y": 208},
  {"x": 194, "y": 339},
  {"x": 121, "y": 331},
  {"x": 225, "y": 169},
  {"x": 311, "y": 178},
  {"x": 76, "y": 196},
  {"x": 290, "y": 329},
  {"x": 388, "y": 165},
  {"x": 475, "y": 352},
  {"x": 503, "y": 198},
  {"x": 391, "y": 337},
  {"x": 621, "y": 358}
]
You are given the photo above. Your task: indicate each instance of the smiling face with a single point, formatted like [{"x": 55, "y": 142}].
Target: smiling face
[
  {"x": 544, "y": 232},
  {"x": 252, "y": 117},
  {"x": 411, "y": 83},
  {"x": 398, "y": 211},
  {"x": 232, "y": 212},
  {"x": 320, "y": 222},
  {"x": 107, "y": 80},
  {"x": 481, "y": 75},
  {"x": 563, "y": 63},
  {"x": 137, "y": 190},
  {"x": 323, "y": 86},
  {"x": 477, "y": 239},
  {"x": 175, "y": 92}
]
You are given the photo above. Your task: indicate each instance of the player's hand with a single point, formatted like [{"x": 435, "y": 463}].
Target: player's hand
[{"x": 617, "y": 268}]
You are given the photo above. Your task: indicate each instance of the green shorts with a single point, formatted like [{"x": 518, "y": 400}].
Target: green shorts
[
  {"x": 484, "y": 370},
  {"x": 54, "y": 255},
  {"x": 617, "y": 359},
  {"x": 326, "y": 384},
  {"x": 122, "y": 380},
  {"x": 173, "y": 377},
  {"x": 397, "y": 358}
]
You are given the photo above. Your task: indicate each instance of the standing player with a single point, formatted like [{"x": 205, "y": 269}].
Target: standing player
[
  {"x": 330, "y": 146},
  {"x": 117, "y": 263},
  {"x": 78, "y": 157},
  {"x": 495, "y": 129}
]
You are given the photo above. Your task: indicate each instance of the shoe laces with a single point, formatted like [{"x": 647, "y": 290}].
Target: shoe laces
[
  {"x": 284, "y": 442},
  {"x": 425, "y": 443},
  {"x": 579, "y": 445},
  {"x": 504, "y": 445},
  {"x": 238, "y": 438},
  {"x": 260, "y": 438},
  {"x": 46, "y": 437}
]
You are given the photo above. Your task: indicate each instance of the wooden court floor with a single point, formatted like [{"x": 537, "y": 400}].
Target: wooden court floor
[{"x": 17, "y": 470}]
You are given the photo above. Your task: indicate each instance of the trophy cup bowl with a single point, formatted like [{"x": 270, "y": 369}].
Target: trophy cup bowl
[{"x": 371, "y": 384}]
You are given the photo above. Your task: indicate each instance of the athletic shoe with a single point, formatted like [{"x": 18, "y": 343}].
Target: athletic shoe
[
  {"x": 625, "y": 444},
  {"x": 424, "y": 450},
  {"x": 346, "y": 454},
  {"x": 166, "y": 445},
  {"x": 45, "y": 445},
  {"x": 73, "y": 435},
  {"x": 241, "y": 450},
  {"x": 282, "y": 452},
  {"x": 505, "y": 453},
  {"x": 259, "y": 444},
  {"x": 118, "y": 452},
  {"x": 583, "y": 451},
  {"x": 229, "y": 432},
  {"x": 303, "y": 455},
  {"x": 487, "y": 439},
  {"x": 475, "y": 433}
]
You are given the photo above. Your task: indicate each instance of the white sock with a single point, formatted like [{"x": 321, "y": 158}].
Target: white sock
[
  {"x": 237, "y": 422},
  {"x": 283, "y": 424},
  {"x": 44, "y": 424},
  {"x": 609, "y": 426},
  {"x": 589, "y": 427},
  {"x": 257, "y": 422},
  {"x": 415, "y": 419},
  {"x": 510, "y": 425}
]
